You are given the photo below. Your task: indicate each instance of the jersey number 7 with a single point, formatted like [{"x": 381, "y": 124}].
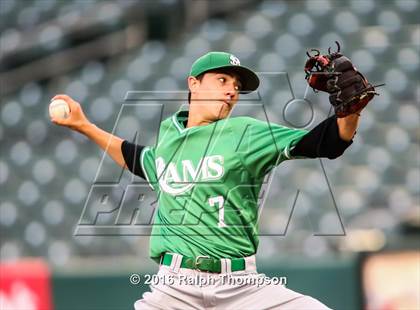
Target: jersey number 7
[{"x": 220, "y": 201}]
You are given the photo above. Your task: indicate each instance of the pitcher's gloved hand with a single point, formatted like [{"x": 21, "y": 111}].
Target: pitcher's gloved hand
[{"x": 335, "y": 74}]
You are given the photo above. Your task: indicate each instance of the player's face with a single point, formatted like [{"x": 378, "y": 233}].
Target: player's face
[{"x": 216, "y": 94}]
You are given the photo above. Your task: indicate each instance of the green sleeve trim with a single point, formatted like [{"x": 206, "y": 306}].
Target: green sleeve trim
[
  {"x": 143, "y": 168},
  {"x": 286, "y": 152},
  {"x": 288, "y": 149}
]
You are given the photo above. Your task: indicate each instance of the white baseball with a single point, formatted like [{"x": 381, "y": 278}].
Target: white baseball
[{"x": 59, "y": 109}]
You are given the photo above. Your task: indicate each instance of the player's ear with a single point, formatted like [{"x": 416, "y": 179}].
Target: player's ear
[{"x": 193, "y": 83}]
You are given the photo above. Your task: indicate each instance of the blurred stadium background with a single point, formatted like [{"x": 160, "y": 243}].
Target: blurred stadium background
[{"x": 97, "y": 51}]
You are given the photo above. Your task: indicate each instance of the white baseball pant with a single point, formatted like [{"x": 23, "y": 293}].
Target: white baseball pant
[{"x": 181, "y": 288}]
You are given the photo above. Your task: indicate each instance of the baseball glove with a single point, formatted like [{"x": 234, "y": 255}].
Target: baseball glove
[{"x": 335, "y": 74}]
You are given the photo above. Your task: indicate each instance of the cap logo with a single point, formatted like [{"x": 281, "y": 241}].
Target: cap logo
[{"x": 234, "y": 60}]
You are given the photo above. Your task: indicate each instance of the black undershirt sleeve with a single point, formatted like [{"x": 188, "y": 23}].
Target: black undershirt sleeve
[
  {"x": 322, "y": 141},
  {"x": 131, "y": 153}
]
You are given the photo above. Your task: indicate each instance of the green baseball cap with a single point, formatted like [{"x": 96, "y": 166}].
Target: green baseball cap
[{"x": 219, "y": 60}]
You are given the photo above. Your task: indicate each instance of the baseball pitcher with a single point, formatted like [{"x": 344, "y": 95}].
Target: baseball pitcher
[{"x": 207, "y": 170}]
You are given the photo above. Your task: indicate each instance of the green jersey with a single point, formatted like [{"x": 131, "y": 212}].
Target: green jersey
[{"x": 208, "y": 180}]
